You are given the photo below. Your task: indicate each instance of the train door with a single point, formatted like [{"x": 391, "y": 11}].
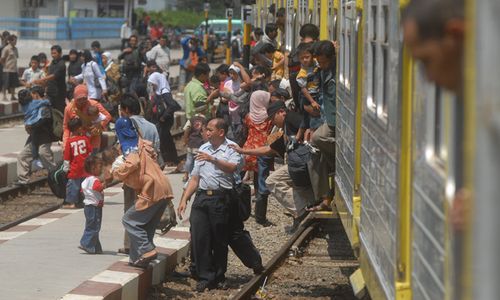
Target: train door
[
  {"x": 291, "y": 28},
  {"x": 347, "y": 127},
  {"x": 481, "y": 148},
  {"x": 434, "y": 129},
  {"x": 380, "y": 146}
]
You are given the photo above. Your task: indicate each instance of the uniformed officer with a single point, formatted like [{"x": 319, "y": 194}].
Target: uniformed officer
[{"x": 212, "y": 180}]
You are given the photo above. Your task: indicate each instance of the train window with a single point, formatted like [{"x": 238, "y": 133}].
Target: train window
[
  {"x": 290, "y": 31},
  {"x": 372, "y": 76},
  {"x": 318, "y": 13},
  {"x": 384, "y": 85},
  {"x": 347, "y": 64},
  {"x": 437, "y": 136},
  {"x": 378, "y": 60},
  {"x": 386, "y": 23},
  {"x": 440, "y": 149},
  {"x": 341, "y": 58},
  {"x": 373, "y": 27}
]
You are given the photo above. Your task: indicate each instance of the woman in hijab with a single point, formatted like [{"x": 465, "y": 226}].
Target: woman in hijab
[{"x": 259, "y": 126}]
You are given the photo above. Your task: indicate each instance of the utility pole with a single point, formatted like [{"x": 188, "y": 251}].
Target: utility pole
[
  {"x": 229, "y": 15},
  {"x": 247, "y": 18},
  {"x": 205, "y": 37}
]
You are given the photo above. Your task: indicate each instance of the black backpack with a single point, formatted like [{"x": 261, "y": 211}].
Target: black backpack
[
  {"x": 297, "y": 165},
  {"x": 57, "y": 180}
]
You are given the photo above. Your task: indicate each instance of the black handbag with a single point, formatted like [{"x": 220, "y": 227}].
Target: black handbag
[{"x": 242, "y": 195}]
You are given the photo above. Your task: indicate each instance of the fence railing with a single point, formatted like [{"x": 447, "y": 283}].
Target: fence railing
[{"x": 62, "y": 28}]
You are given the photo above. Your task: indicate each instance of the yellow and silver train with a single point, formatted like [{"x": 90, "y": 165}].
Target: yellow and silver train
[{"x": 404, "y": 147}]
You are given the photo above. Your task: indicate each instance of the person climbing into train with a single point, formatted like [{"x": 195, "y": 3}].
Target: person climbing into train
[
  {"x": 322, "y": 164},
  {"x": 309, "y": 33},
  {"x": 310, "y": 100}
]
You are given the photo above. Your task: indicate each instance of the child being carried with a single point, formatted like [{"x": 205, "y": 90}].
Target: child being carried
[{"x": 129, "y": 140}]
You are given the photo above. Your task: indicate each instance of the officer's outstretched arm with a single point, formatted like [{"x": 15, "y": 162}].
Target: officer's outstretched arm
[{"x": 190, "y": 190}]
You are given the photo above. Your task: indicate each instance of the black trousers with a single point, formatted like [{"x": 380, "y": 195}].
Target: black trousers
[
  {"x": 58, "y": 101},
  {"x": 240, "y": 240},
  {"x": 167, "y": 144},
  {"x": 209, "y": 235}
]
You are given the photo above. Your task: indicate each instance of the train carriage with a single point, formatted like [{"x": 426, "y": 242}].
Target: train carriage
[
  {"x": 403, "y": 150},
  {"x": 380, "y": 146},
  {"x": 348, "y": 131}
]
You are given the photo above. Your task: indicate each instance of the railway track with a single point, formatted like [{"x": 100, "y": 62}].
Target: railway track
[
  {"x": 306, "y": 252},
  {"x": 11, "y": 118}
]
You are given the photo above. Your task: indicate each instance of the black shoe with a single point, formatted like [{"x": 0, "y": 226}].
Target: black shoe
[
  {"x": 264, "y": 223},
  {"x": 185, "y": 274},
  {"x": 201, "y": 286},
  {"x": 222, "y": 285},
  {"x": 258, "y": 270}
]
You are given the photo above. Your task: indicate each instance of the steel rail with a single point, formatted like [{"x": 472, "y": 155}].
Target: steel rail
[{"x": 303, "y": 232}]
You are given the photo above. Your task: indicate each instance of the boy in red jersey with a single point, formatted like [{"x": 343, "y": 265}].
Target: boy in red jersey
[{"x": 76, "y": 150}]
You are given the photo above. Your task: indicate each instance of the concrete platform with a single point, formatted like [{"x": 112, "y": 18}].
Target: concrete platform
[
  {"x": 14, "y": 140},
  {"x": 39, "y": 259}
]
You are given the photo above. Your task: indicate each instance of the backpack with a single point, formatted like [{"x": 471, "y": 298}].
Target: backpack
[
  {"x": 297, "y": 165},
  {"x": 192, "y": 61},
  {"x": 57, "y": 181},
  {"x": 57, "y": 124}
]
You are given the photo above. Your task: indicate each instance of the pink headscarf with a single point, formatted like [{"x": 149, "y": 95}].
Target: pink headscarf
[{"x": 259, "y": 101}]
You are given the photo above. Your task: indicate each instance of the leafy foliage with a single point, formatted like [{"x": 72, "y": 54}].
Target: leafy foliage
[{"x": 189, "y": 14}]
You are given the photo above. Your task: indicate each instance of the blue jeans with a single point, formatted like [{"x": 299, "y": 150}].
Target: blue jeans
[
  {"x": 264, "y": 164},
  {"x": 73, "y": 188},
  {"x": 93, "y": 220},
  {"x": 140, "y": 227}
]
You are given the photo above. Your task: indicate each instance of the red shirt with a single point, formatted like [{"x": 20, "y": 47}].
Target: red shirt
[{"x": 76, "y": 150}]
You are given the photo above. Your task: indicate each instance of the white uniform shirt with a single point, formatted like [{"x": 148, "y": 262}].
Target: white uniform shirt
[{"x": 161, "y": 55}]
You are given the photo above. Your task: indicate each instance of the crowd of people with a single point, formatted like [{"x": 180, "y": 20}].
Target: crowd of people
[
  {"x": 241, "y": 121},
  {"x": 272, "y": 125}
]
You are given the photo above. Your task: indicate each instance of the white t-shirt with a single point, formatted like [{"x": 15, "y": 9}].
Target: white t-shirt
[
  {"x": 92, "y": 189},
  {"x": 161, "y": 83}
]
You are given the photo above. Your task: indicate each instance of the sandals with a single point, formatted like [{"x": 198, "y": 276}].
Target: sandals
[
  {"x": 320, "y": 207},
  {"x": 145, "y": 259}
]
